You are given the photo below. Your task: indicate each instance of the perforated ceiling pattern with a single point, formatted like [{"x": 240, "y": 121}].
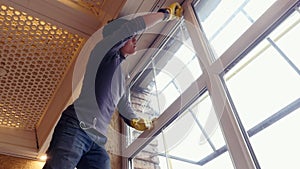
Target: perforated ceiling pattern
[{"x": 34, "y": 56}]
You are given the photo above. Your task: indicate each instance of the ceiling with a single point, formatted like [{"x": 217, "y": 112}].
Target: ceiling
[{"x": 40, "y": 43}]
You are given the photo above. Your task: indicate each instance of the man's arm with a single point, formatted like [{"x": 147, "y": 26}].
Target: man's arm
[
  {"x": 173, "y": 11},
  {"x": 153, "y": 19},
  {"x": 130, "y": 118}
]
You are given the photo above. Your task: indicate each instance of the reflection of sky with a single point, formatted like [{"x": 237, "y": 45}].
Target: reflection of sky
[{"x": 259, "y": 90}]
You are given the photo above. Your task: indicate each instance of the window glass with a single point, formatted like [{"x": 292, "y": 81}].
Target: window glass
[
  {"x": 285, "y": 36},
  {"x": 169, "y": 74},
  {"x": 264, "y": 87},
  {"x": 223, "y": 22},
  {"x": 193, "y": 140}
]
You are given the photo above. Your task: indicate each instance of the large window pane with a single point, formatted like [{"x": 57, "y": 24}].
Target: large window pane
[
  {"x": 168, "y": 75},
  {"x": 193, "y": 140},
  {"x": 223, "y": 22},
  {"x": 264, "y": 87}
]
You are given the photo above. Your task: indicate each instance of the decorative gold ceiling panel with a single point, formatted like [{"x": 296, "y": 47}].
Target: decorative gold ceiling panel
[
  {"x": 95, "y": 6},
  {"x": 34, "y": 56}
]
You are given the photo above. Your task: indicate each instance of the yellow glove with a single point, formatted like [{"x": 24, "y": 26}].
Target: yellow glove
[
  {"x": 141, "y": 124},
  {"x": 174, "y": 11}
]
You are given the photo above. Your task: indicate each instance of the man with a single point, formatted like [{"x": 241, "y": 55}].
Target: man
[{"x": 80, "y": 135}]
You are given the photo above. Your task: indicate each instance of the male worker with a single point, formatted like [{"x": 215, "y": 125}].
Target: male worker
[{"x": 80, "y": 135}]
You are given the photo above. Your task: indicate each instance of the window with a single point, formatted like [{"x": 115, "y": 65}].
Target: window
[
  {"x": 194, "y": 140},
  {"x": 248, "y": 85},
  {"x": 167, "y": 76},
  {"x": 265, "y": 90}
]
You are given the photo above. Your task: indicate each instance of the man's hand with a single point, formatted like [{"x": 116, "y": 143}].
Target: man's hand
[
  {"x": 142, "y": 124},
  {"x": 174, "y": 11}
]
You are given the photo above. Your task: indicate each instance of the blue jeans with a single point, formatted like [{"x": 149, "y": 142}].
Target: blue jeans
[{"x": 71, "y": 147}]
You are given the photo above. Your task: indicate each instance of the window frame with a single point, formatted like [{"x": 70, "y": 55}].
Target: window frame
[{"x": 235, "y": 135}]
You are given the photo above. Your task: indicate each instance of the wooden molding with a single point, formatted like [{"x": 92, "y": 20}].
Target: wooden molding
[{"x": 18, "y": 142}]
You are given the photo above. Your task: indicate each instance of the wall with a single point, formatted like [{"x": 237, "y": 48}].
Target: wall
[
  {"x": 147, "y": 158},
  {"x": 113, "y": 145}
]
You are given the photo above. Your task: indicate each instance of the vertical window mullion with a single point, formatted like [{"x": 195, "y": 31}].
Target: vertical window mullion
[{"x": 231, "y": 130}]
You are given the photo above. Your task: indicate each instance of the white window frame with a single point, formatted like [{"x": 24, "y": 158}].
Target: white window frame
[{"x": 211, "y": 80}]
